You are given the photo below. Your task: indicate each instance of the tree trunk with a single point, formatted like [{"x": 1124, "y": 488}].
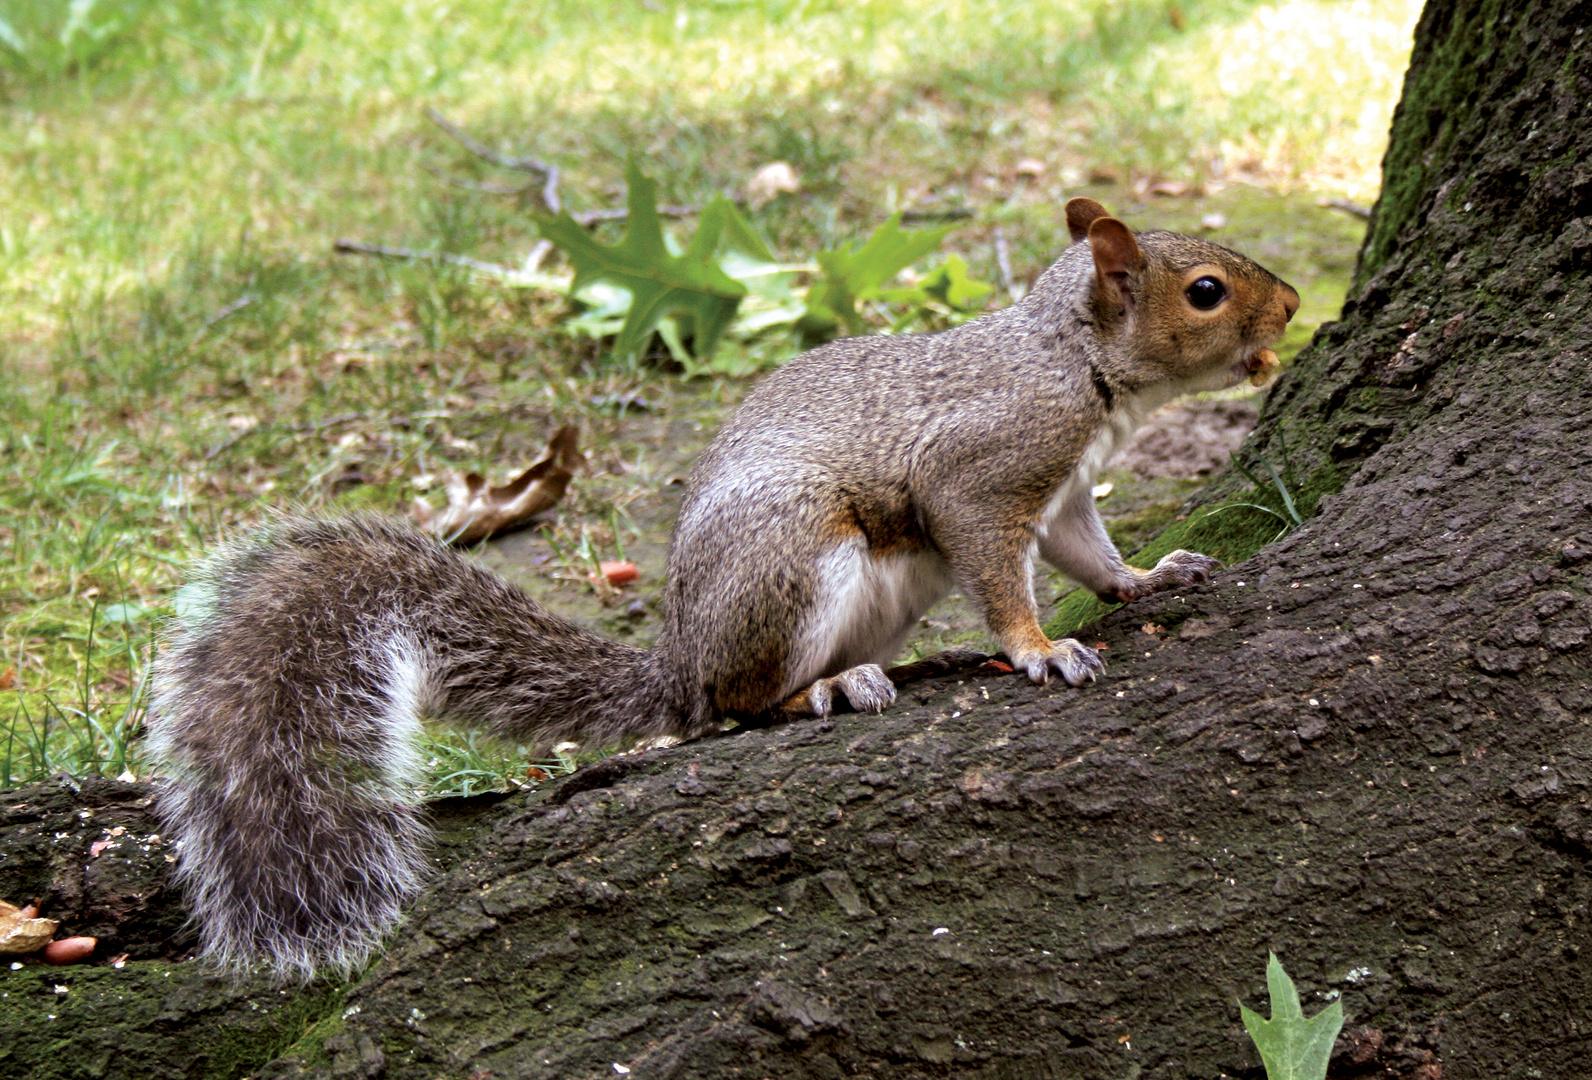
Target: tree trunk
[{"x": 1366, "y": 749}]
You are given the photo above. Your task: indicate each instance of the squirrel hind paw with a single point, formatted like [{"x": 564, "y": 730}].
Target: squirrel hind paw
[{"x": 866, "y": 688}]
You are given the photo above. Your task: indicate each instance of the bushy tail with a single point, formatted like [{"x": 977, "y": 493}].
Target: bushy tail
[{"x": 287, "y": 703}]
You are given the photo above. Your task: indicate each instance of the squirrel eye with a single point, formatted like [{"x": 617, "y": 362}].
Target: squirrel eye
[{"x": 1206, "y": 292}]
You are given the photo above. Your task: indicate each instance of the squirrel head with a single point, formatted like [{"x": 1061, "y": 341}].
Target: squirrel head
[{"x": 1176, "y": 308}]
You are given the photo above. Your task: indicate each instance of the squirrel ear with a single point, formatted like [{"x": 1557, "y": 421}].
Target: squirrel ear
[
  {"x": 1081, "y": 213},
  {"x": 1116, "y": 256}
]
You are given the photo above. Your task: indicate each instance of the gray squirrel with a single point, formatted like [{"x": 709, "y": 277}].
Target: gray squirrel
[{"x": 856, "y": 485}]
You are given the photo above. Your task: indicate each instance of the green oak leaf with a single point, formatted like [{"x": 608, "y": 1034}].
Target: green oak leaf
[
  {"x": 743, "y": 255},
  {"x": 1291, "y": 1046},
  {"x": 769, "y": 299},
  {"x": 689, "y": 287},
  {"x": 854, "y": 274}
]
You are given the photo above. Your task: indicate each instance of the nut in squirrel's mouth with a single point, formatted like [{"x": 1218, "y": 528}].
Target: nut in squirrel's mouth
[{"x": 1261, "y": 367}]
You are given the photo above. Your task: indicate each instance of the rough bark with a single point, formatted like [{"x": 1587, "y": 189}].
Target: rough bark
[{"x": 1369, "y": 748}]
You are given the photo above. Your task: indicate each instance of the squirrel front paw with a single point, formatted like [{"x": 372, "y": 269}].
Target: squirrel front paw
[
  {"x": 1178, "y": 570},
  {"x": 1074, "y": 661}
]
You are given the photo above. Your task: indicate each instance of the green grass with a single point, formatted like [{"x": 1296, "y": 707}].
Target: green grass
[{"x": 181, "y": 349}]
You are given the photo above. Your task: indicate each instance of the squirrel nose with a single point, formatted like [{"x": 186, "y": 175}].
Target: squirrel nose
[{"x": 1290, "y": 300}]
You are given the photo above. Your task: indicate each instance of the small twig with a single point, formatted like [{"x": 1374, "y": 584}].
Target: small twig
[
  {"x": 296, "y": 429},
  {"x": 237, "y": 305},
  {"x": 550, "y": 174},
  {"x": 1003, "y": 263},
  {"x": 470, "y": 185},
  {"x": 533, "y": 258},
  {"x": 354, "y": 247},
  {"x": 524, "y": 163},
  {"x": 950, "y": 213},
  {"x": 227, "y": 311},
  {"x": 588, "y": 218},
  {"x": 1348, "y": 207}
]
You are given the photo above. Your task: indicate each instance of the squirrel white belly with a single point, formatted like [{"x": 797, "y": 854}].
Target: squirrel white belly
[{"x": 854, "y": 487}]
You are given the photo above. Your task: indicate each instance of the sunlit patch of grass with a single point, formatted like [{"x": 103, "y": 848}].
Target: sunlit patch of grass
[
  {"x": 1299, "y": 92},
  {"x": 293, "y": 123}
]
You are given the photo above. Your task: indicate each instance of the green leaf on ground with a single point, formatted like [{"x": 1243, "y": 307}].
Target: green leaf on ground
[
  {"x": 744, "y": 257},
  {"x": 1291, "y": 1046},
  {"x": 10, "y": 38},
  {"x": 948, "y": 296},
  {"x": 771, "y": 298},
  {"x": 952, "y": 286},
  {"x": 691, "y": 287},
  {"x": 855, "y": 274}
]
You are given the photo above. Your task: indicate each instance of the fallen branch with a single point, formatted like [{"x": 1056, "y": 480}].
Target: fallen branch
[
  {"x": 589, "y": 218},
  {"x": 949, "y": 213},
  {"x": 354, "y": 247},
  {"x": 533, "y": 259},
  {"x": 1363, "y": 212},
  {"x": 231, "y": 309},
  {"x": 549, "y": 172},
  {"x": 524, "y": 163},
  {"x": 225, "y": 313},
  {"x": 471, "y": 185}
]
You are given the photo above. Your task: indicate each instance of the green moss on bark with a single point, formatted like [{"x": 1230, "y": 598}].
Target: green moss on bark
[
  {"x": 1455, "y": 46},
  {"x": 149, "y": 1019}
]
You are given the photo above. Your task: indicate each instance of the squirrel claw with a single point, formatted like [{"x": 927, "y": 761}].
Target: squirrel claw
[
  {"x": 866, "y": 687},
  {"x": 1074, "y": 661},
  {"x": 1184, "y": 568}
]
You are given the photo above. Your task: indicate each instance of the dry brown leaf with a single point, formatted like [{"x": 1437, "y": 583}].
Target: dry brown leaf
[
  {"x": 20, "y": 932},
  {"x": 1148, "y": 185},
  {"x": 8, "y": 678},
  {"x": 478, "y": 512},
  {"x": 772, "y": 180}
]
